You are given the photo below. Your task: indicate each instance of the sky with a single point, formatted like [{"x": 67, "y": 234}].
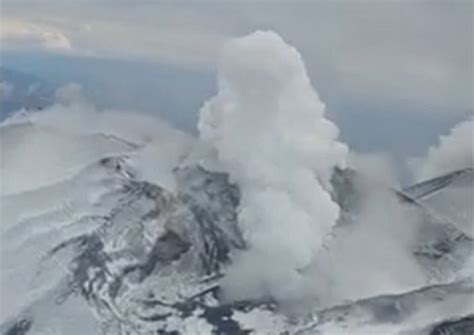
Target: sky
[{"x": 394, "y": 75}]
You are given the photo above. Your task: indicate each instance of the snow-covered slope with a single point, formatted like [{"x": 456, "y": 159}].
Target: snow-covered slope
[
  {"x": 115, "y": 224},
  {"x": 102, "y": 251},
  {"x": 450, "y": 195}
]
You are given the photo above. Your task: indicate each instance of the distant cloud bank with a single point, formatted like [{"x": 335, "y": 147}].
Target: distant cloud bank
[{"x": 27, "y": 35}]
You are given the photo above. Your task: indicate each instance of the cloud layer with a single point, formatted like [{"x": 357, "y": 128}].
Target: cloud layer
[
  {"x": 386, "y": 52},
  {"x": 28, "y": 35}
]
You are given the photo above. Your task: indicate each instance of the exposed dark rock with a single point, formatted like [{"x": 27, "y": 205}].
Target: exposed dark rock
[
  {"x": 462, "y": 326},
  {"x": 21, "y": 327}
]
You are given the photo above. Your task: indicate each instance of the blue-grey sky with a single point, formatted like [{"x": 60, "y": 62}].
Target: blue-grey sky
[{"x": 393, "y": 74}]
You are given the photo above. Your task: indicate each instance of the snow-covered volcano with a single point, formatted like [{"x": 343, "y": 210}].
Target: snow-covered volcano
[
  {"x": 103, "y": 251},
  {"x": 115, "y": 224}
]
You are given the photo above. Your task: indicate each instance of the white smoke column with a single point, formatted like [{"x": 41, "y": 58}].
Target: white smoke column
[
  {"x": 453, "y": 151},
  {"x": 268, "y": 129}
]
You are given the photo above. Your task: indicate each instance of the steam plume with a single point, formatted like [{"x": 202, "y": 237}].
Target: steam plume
[
  {"x": 268, "y": 129},
  {"x": 453, "y": 151}
]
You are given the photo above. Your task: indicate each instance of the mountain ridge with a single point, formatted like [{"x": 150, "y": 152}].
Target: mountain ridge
[{"x": 147, "y": 260}]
